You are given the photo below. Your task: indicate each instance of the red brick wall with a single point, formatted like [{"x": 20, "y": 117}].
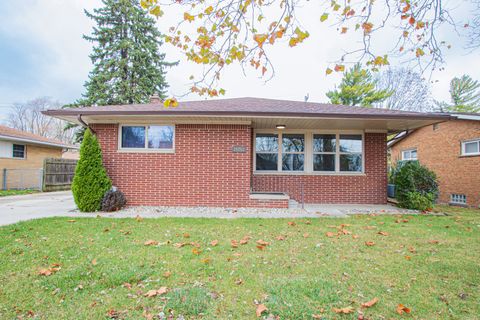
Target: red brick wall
[
  {"x": 369, "y": 188},
  {"x": 204, "y": 171},
  {"x": 440, "y": 151}
]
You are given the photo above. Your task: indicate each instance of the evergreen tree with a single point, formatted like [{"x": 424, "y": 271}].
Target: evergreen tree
[
  {"x": 128, "y": 66},
  {"x": 90, "y": 182},
  {"x": 465, "y": 94},
  {"x": 358, "y": 88}
]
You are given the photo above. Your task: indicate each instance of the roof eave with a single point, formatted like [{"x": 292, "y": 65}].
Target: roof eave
[{"x": 37, "y": 142}]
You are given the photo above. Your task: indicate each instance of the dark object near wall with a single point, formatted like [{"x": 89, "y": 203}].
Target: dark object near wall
[{"x": 113, "y": 200}]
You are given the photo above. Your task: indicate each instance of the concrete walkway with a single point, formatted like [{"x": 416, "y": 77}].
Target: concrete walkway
[
  {"x": 37, "y": 205},
  {"x": 51, "y": 204}
]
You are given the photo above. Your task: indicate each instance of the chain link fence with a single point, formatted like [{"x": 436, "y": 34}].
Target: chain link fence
[{"x": 15, "y": 179}]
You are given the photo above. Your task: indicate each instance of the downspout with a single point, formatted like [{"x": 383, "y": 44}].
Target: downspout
[{"x": 84, "y": 124}]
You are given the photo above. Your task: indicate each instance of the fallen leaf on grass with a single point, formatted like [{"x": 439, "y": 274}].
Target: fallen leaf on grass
[
  {"x": 433, "y": 241},
  {"x": 345, "y": 310},
  {"x": 262, "y": 243},
  {"x": 72, "y": 221},
  {"x": 330, "y": 234},
  {"x": 383, "y": 233},
  {"x": 245, "y": 240},
  {"x": 412, "y": 249},
  {"x": 158, "y": 292},
  {"x": 401, "y": 309},
  {"x": 206, "y": 260},
  {"x": 186, "y": 235},
  {"x": 94, "y": 262},
  {"x": 355, "y": 236},
  {"x": 196, "y": 251},
  {"x": 369, "y": 227},
  {"x": 150, "y": 243},
  {"x": 280, "y": 238},
  {"x": 408, "y": 257},
  {"x": 292, "y": 223},
  {"x": 370, "y": 303},
  {"x": 306, "y": 235},
  {"x": 214, "y": 243},
  {"x": 127, "y": 285},
  {"x": 234, "y": 243},
  {"x": 261, "y": 308},
  {"x": 369, "y": 243},
  {"x": 49, "y": 271},
  {"x": 167, "y": 274},
  {"x": 238, "y": 282}
]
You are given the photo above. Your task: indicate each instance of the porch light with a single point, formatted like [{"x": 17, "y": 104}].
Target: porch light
[{"x": 281, "y": 126}]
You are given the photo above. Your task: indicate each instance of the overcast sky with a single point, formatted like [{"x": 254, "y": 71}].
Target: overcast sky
[{"x": 42, "y": 53}]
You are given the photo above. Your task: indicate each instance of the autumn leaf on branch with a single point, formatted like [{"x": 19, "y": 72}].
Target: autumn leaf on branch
[{"x": 219, "y": 33}]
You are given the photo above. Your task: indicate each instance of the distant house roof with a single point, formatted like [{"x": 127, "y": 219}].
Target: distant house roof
[
  {"x": 246, "y": 107},
  {"x": 11, "y": 134},
  {"x": 454, "y": 116}
]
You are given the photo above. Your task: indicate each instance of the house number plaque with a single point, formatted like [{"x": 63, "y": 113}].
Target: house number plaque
[{"x": 239, "y": 149}]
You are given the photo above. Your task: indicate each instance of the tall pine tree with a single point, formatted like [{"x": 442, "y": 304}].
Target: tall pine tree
[
  {"x": 128, "y": 66},
  {"x": 358, "y": 88}
]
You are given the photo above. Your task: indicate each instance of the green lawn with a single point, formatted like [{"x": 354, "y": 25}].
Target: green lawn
[
  {"x": 4, "y": 193},
  {"x": 428, "y": 263}
]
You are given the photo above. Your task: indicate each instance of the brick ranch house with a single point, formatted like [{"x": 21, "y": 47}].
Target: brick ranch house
[
  {"x": 246, "y": 152},
  {"x": 450, "y": 149}
]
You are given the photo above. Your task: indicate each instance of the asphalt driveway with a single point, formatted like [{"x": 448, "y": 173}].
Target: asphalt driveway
[{"x": 38, "y": 205}]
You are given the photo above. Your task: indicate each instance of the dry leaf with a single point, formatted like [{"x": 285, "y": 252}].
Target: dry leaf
[
  {"x": 71, "y": 221},
  {"x": 355, "y": 236},
  {"x": 261, "y": 308},
  {"x": 412, "y": 249},
  {"x": 330, "y": 234},
  {"x": 167, "y": 274},
  {"x": 408, "y": 257},
  {"x": 94, "y": 262},
  {"x": 401, "y": 309},
  {"x": 238, "y": 282},
  {"x": 150, "y": 243},
  {"x": 127, "y": 285},
  {"x": 383, "y": 233},
  {"x": 196, "y": 251},
  {"x": 370, "y": 303},
  {"x": 433, "y": 241},
  {"x": 260, "y": 247},
  {"x": 186, "y": 235},
  {"x": 292, "y": 223},
  {"x": 306, "y": 235},
  {"x": 158, "y": 292},
  {"x": 214, "y": 243},
  {"x": 343, "y": 310},
  {"x": 234, "y": 243},
  {"x": 369, "y": 243},
  {"x": 262, "y": 243},
  {"x": 280, "y": 238}
]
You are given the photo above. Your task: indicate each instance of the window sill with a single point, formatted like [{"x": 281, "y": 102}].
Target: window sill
[
  {"x": 145, "y": 151},
  {"x": 469, "y": 155},
  {"x": 302, "y": 173}
]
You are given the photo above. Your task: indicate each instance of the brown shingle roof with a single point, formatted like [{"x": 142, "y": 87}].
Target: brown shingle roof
[
  {"x": 7, "y": 132},
  {"x": 247, "y": 107}
]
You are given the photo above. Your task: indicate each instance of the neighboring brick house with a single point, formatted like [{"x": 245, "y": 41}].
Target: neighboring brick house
[
  {"x": 246, "y": 152},
  {"x": 452, "y": 150},
  {"x": 23, "y": 153}
]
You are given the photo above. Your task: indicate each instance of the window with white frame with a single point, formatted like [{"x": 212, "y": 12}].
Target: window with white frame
[
  {"x": 150, "y": 137},
  {"x": 350, "y": 148},
  {"x": 309, "y": 152},
  {"x": 324, "y": 151},
  {"x": 266, "y": 152},
  {"x": 293, "y": 152},
  {"x": 410, "y": 154},
  {"x": 18, "y": 151},
  {"x": 471, "y": 147},
  {"x": 458, "y": 199}
]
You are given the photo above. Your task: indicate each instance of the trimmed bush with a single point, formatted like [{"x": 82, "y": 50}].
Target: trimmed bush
[
  {"x": 90, "y": 182},
  {"x": 113, "y": 200},
  {"x": 416, "y": 186}
]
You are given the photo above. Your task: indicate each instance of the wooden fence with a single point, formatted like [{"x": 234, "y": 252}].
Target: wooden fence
[{"x": 58, "y": 174}]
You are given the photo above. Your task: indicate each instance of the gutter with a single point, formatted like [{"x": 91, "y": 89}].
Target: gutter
[
  {"x": 37, "y": 142},
  {"x": 84, "y": 124}
]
